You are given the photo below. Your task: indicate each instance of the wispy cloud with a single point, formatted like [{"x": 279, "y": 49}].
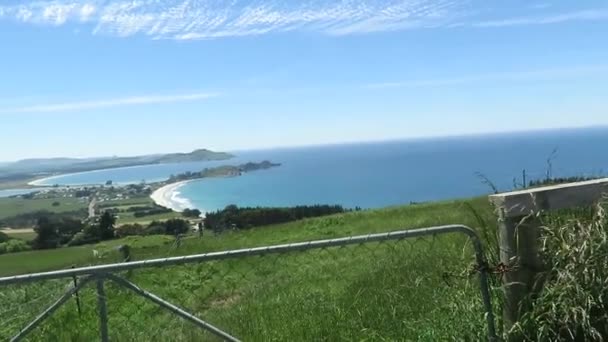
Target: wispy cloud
[
  {"x": 105, "y": 103},
  {"x": 206, "y": 19},
  {"x": 209, "y": 19},
  {"x": 585, "y": 15},
  {"x": 510, "y": 76}
]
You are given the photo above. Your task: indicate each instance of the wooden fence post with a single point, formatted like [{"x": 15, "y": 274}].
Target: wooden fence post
[
  {"x": 518, "y": 238},
  {"x": 519, "y": 233}
]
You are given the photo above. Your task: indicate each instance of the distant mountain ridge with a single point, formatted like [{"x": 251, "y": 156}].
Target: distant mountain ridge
[
  {"x": 42, "y": 161},
  {"x": 36, "y": 166},
  {"x": 201, "y": 154}
]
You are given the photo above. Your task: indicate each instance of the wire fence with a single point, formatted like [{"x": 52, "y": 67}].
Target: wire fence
[{"x": 422, "y": 284}]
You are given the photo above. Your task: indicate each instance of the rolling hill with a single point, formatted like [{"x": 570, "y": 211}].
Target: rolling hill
[{"x": 41, "y": 166}]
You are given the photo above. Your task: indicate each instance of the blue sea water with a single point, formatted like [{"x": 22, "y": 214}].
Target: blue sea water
[{"x": 373, "y": 175}]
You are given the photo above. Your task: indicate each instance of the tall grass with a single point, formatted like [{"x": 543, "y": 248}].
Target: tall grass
[{"x": 573, "y": 303}]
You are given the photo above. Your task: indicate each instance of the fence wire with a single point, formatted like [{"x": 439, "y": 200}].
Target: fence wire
[{"x": 419, "y": 288}]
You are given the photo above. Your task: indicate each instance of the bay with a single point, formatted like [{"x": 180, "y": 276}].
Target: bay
[{"x": 374, "y": 175}]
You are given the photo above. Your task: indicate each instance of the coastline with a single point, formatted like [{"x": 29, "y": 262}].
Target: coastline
[
  {"x": 168, "y": 196},
  {"x": 40, "y": 181}
]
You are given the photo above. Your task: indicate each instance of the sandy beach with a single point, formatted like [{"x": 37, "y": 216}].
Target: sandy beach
[{"x": 167, "y": 196}]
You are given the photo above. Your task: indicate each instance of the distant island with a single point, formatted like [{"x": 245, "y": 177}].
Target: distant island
[
  {"x": 21, "y": 172},
  {"x": 223, "y": 171}
]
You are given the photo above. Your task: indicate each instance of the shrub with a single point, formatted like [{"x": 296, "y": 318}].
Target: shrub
[
  {"x": 140, "y": 208},
  {"x": 129, "y": 230},
  {"x": 170, "y": 227},
  {"x": 13, "y": 246},
  {"x": 155, "y": 228},
  {"x": 243, "y": 218},
  {"x": 155, "y": 211},
  {"x": 81, "y": 238}
]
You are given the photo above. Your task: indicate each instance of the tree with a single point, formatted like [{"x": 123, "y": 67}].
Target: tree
[
  {"x": 106, "y": 226},
  {"x": 67, "y": 227},
  {"x": 47, "y": 234},
  {"x": 176, "y": 226},
  {"x": 4, "y": 237},
  {"x": 191, "y": 213},
  {"x": 70, "y": 226},
  {"x": 53, "y": 230}
]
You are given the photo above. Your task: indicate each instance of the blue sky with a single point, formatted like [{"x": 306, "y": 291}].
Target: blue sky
[{"x": 117, "y": 77}]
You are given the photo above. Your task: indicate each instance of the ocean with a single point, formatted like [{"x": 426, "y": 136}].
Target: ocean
[{"x": 374, "y": 175}]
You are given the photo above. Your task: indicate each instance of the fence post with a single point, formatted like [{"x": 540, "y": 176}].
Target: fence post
[
  {"x": 75, "y": 280},
  {"x": 518, "y": 237},
  {"x": 519, "y": 233},
  {"x": 103, "y": 312}
]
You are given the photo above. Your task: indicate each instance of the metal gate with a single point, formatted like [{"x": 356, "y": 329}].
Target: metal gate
[{"x": 71, "y": 283}]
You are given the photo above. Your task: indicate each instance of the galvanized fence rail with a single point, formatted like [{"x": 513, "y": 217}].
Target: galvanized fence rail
[{"x": 118, "y": 276}]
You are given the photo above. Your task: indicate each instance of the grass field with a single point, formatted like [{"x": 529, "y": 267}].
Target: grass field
[
  {"x": 22, "y": 234},
  {"x": 390, "y": 291},
  {"x": 127, "y": 202},
  {"x": 16, "y": 206},
  {"x": 53, "y": 259},
  {"x": 319, "y": 228},
  {"x": 126, "y": 217}
]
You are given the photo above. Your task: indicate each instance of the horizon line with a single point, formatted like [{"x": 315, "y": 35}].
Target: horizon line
[{"x": 340, "y": 143}]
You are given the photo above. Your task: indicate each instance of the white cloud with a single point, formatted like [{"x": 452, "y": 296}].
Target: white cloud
[
  {"x": 49, "y": 12},
  {"x": 115, "y": 102},
  {"x": 208, "y": 19},
  {"x": 510, "y": 76},
  {"x": 58, "y": 14},
  {"x": 23, "y": 14},
  {"x": 87, "y": 11},
  {"x": 586, "y": 15}
]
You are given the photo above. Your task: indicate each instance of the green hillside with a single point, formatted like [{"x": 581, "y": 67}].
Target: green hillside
[
  {"x": 18, "y": 173},
  {"x": 16, "y": 206},
  {"x": 403, "y": 290}
]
